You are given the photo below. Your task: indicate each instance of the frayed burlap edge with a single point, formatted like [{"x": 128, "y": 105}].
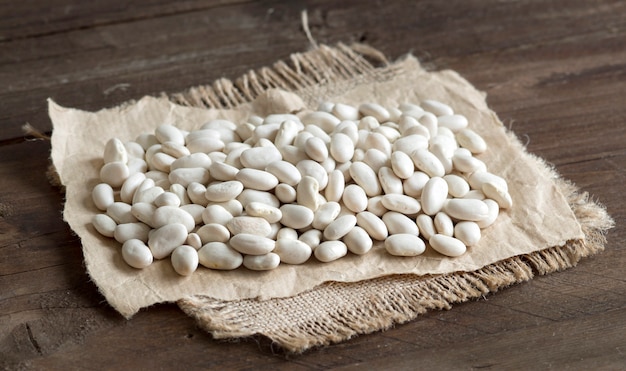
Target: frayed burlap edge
[{"x": 306, "y": 320}]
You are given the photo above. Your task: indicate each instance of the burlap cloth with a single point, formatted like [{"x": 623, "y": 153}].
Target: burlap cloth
[{"x": 551, "y": 227}]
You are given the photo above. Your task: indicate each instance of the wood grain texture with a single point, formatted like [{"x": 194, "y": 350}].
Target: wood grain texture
[{"x": 554, "y": 71}]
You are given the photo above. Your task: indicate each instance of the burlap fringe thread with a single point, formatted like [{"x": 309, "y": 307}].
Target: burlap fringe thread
[{"x": 301, "y": 322}]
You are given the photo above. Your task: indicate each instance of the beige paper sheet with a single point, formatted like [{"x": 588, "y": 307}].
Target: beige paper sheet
[{"x": 540, "y": 218}]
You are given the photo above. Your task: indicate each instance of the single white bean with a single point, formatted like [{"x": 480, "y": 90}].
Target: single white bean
[
  {"x": 427, "y": 162},
  {"x": 447, "y": 245},
  {"x": 114, "y": 173},
  {"x": 466, "y": 209},
  {"x": 130, "y": 186},
  {"x": 467, "y": 138},
  {"x": 292, "y": 251},
  {"x": 162, "y": 241},
  {"x": 218, "y": 255},
  {"x": 330, "y": 250},
  {"x": 185, "y": 260},
  {"x": 354, "y": 198},
  {"x": 401, "y": 203},
  {"x": 260, "y": 157},
  {"x": 364, "y": 176},
  {"x": 426, "y": 226},
  {"x": 257, "y": 179},
  {"x": 296, "y": 216},
  {"x": 185, "y": 176},
  {"x": 467, "y": 232},
  {"x": 194, "y": 240},
  {"x": 455, "y": 123},
  {"x": 443, "y": 224},
  {"x": 104, "y": 224},
  {"x": 213, "y": 232},
  {"x": 404, "y": 244},
  {"x": 285, "y": 172},
  {"x": 136, "y": 254},
  {"x": 249, "y": 225},
  {"x": 434, "y": 195},
  {"x": 358, "y": 241},
  {"x": 457, "y": 186},
  {"x": 169, "y": 214},
  {"x": 167, "y": 199},
  {"x": 199, "y": 159},
  {"x": 285, "y": 193},
  {"x": 121, "y": 213},
  {"x": 496, "y": 192},
  {"x": 373, "y": 225},
  {"x": 307, "y": 191},
  {"x": 223, "y": 191},
  {"x": 115, "y": 151},
  {"x": 253, "y": 195},
  {"x": 390, "y": 183},
  {"x": 312, "y": 237},
  {"x": 339, "y": 227},
  {"x": 436, "y": 107},
  {"x": 263, "y": 262},
  {"x": 398, "y": 223},
  {"x": 169, "y": 133},
  {"x": 102, "y": 196},
  {"x": 402, "y": 165},
  {"x": 376, "y": 110},
  {"x": 252, "y": 244}
]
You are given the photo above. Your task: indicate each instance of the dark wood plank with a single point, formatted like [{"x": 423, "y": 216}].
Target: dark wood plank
[{"x": 554, "y": 72}]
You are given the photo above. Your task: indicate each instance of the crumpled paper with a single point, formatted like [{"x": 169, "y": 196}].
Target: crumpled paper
[{"x": 540, "y": 217}]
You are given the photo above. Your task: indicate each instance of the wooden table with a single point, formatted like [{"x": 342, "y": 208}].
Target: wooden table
[{"x": 554, "y": 71}]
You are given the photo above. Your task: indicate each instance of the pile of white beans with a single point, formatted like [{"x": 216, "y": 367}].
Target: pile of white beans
[{"x": 285, "y": 187}]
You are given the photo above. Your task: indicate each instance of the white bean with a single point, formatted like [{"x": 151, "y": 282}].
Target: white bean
[
  {"x": 250, "y": 225},
  {"x": 434, "y": 195},
  {"x": 426, "y": 226},
  {"x": 185, "y": 176},
  {"x": 496, "y": 192},
  {"x": 401, "y": 203},
  {"x": 165, "y": 215},
  {"x": 326, "y": 214},
  {"x": 314, "y": 169},
  {"x": 213, "y": 232},
  {"x": 427, "y": 162},
  {"x": 364, "y": 176},
  {"x": 104, "y": 224},
  {"x": 296, "y": 216},
  {"x": 223, "y": 191},
  {"x": 292, "y": 251},
  {"x": 162, "y": 241},
  {"x": 218, "y": 255},
  {"x": 354, "y": 198},
  {"x": 466, "y": 209},
  {"x": 330, "y": 250},
  {"x": 358, "y": 241},
  {"x": 375, "y": 227},
  {"x": 307, "y": 191},
  {"x": 447, "y": 245},
  {"x": 455, "y": 123},
  {"x": 375, "y": 110},
  {"x": 399, "y": 223},
  {"x": 339, "y": 227},
  {"x": 185, "y": 260},
  {"x": 261, "y": 262},
  {"x": 467, "y": 232},
  {"x": 260, "y": 157},
  {"x": 114, "y": 173},
  {"x": 457, "y": 186},
  {"x": 389, "y": 182},
  {"x": 443, "y": 224},
  {"x": 285, "y": 172},
  {"x": 136, "y": 254},
  {"x": 115, "y": 151},
  {"x": 312, "y": 237},
  {"x": 467, "y": 138},
  {"x": 436, "y": 107},
  {"x": 404, "y": 244},
  {"x": 494, "y": 210},
  {"x": 102, "y": 196},
  {"x": 252, "y": 244}
]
